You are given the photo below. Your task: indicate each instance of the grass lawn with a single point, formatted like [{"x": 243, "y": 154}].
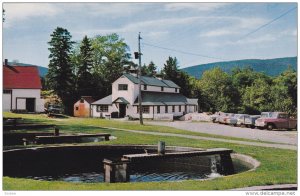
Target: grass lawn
[
  {"x": 278, "y": 166},
  {"x": 133, "y": 125}
]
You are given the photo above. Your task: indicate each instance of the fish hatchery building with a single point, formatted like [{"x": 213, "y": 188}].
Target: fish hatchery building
[{"x": 161, "y": 99}]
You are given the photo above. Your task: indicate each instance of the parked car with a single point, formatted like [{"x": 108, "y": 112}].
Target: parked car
[
  {"x": 236, "y": 120},
  {"x": 250, "y": 121},
  {"x": 277, "y": 120},
  {"x": 266, "y": 114},
  {"x": 215, "y": 117},
  {"x": 241, "y": 119},
  {"x": 53, "y": 109},
  {"x": 222, "y": 118}
]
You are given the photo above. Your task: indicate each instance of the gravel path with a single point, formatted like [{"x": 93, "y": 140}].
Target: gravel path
[
  {"x": 282, "y": 137},
  {"x": 282, "y": 146}
]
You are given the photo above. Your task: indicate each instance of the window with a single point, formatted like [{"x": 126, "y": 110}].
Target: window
[
  {"x": 173, "y": 108},
  {"x": 283, "y": 116},
  {"x": 145, "y": 109},
  {"x": 158, "y": 109},
  {"x": 6, "y": 91},
  {"x": 180, "y": 108},
  {"x": 176, "y": 90},
  {"x": 76, "y": 108},
  {"x": 145, "y": 87},
  {"x": 102, "y": 108},
  {"x": 162, "y": 88},
  {"x": 166, "y": 109},
  {"x": 123, "y": 87}
]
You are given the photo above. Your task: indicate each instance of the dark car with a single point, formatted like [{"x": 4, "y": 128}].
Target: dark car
[{"x": 53, "y": 109}]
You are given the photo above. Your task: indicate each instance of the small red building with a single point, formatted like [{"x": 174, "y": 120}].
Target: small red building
[{"x": 82, "y": 108}]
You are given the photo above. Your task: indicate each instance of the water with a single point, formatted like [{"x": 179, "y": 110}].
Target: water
[
  {"x": 171, "y": 170},
  {"x": 94, "y": 177}
]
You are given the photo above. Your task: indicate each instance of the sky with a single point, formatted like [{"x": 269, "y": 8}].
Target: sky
[{"x": 194, "y": 33}]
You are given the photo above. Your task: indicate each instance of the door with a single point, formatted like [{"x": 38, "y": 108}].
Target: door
[
  {"x": 122, "y": 110},
  {"x": 30, "y": 104}
]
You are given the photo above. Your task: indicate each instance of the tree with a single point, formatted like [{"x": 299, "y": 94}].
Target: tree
[
  {"x": 257, "y": 98},
  {"x": 111, "y": 54},
  {"x": 241, "y": 79},
  {"x": 170, "y": 70},
  {"x": 182, "y": 79},
  {"x": 217, "y": 89},
  {"x": 284, "y": 92},
  {"x": 84, "y": 81},
  {"x": 151, "y": 69},
  {"x": 60, "y": 76}
]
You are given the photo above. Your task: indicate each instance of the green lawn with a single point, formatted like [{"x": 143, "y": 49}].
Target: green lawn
[
  {"x": 133, "y": 125},
  {"x": 277, "y": 166}
]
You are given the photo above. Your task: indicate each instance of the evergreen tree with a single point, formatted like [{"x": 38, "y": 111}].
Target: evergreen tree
[
  {"x": 60, "y": 76},
  {"x": 170, "y": 70},
  {"x": 85, "y": 82},
  {"x": 151, "y": 69}
]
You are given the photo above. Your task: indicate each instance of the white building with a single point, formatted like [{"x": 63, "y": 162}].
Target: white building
[
  {"x": 160, "y": 99},
  {"x": 22, "y": 89}
]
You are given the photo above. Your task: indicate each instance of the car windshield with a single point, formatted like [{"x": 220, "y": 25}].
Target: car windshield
[{"x": 266, "y": 114}]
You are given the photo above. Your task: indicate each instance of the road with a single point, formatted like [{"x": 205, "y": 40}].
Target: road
[{"x": 283, "y": 137}]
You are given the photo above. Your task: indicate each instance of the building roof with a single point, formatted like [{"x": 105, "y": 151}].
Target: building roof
[
  {"x": 21, "y": 77},
  {"x": 121, "y": 100},
  {"x": 151, "y": 81},
  {"x": 88, "y": 99},
  {"x": 158, "y": 98},
  {"x": 192, "y": 101},
  {"x": 104, "y": 101}
]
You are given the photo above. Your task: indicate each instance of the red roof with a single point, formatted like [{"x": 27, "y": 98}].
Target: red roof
[{"x": 21, "y": 77}]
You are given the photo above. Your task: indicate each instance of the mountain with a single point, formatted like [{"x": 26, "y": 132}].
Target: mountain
[
  {"x": 42, "y": 70},
  {"x": 271, "y": 67}
]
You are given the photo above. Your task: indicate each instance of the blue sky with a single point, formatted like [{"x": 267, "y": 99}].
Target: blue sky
[{"x": 211, "y": 31}]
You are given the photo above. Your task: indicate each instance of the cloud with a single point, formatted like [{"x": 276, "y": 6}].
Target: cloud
[
  {"x": 196, "y": 6},
  {"x": 150, "y": 27},
  {"x": 22, "y": 11},
  {"x": 218, "y": 32},
  {"x": 113, "y": 10},
  {"x": 156, "y": 34}
]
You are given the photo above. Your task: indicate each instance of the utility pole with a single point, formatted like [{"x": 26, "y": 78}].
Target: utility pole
[{"x": 140, "y": 82}]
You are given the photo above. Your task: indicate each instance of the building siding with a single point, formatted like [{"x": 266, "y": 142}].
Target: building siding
[{"x": 17, "y": 100}]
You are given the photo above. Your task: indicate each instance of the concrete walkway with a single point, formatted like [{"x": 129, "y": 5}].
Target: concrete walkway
[{"x": 281, "y": 146}]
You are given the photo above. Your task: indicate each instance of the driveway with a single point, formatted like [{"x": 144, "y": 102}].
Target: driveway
[{"x": 284, "y": 137}]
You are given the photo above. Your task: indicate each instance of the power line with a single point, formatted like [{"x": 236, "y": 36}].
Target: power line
[
  {"x": 183, "y": 52},
  {"x": 268, "y": 23}
]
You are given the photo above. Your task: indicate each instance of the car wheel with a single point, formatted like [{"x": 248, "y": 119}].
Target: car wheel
[{"x": 270, "y": 127}]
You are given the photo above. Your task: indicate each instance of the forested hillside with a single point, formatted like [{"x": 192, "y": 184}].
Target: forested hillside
[{"x": 271, "y": 67}]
